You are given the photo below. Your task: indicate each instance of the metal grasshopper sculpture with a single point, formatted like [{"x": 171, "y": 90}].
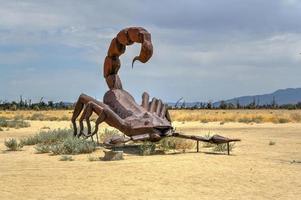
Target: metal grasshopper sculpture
[{"x": 148, "y": 121}]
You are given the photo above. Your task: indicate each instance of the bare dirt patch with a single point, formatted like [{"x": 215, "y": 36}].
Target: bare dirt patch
[{"x": 255, "y": 170}]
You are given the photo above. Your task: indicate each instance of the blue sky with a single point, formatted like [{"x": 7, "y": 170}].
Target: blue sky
[{"x": 203, "y": 50}]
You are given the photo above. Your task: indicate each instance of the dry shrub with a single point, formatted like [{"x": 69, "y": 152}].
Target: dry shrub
[
  {"x": 283, "y": 120},
  {"x": 66, "y": 158},
  {"x": 13, "y": 145},
  {"x": 107, "y": 133},
  {"x": 15, "y": 123},
  {"x": 272, "y": 143},
  {"x": 37, "y": 116},
  {"x": 244, "y": 116},
  {"x": 223, "y": 147},
  {"x": 295, "y": 117},
  {"x": 171, "y": 143}
]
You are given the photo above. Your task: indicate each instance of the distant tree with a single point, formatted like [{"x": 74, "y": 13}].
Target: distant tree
[
  {"x": 223, "y": 105},
  {"x": 209, "y": 105}
]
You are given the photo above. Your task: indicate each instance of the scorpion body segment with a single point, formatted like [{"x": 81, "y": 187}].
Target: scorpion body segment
[{"x": 117, "y": 47}]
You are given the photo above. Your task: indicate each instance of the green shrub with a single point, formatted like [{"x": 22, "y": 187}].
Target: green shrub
[
  {"x": 48, "y": 137},
  {"x": 56, "y": 149},
  {"x": 13, "y": 123},
  {"x": 13, "y": 145},
  {"x": 147, "y": 148},
  {"x": 66, "y": 158},
  {"x": 167, "y": 144},
  {"x": 76, "y": 145},
  {"x": 223, "y": 147},
  {"x": 59, "y": 141},
  {"x": 42, "y": 148}
]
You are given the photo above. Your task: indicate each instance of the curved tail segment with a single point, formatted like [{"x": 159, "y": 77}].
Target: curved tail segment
[{"x": 118, "y": 46}]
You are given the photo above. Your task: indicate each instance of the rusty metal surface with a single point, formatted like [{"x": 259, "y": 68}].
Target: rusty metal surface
[{"x": 148, "y": 121}]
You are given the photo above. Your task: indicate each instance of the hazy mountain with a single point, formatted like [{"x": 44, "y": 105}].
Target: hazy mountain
[{"x": 283, "y": 96}]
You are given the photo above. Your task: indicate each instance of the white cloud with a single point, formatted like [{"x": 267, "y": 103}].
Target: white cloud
[{"x": 203, "y": 50}]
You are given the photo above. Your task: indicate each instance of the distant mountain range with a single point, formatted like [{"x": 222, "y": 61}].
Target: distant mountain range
[{"x": 283, "y": 96}]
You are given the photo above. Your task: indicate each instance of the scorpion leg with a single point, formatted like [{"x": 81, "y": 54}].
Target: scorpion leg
[
  {"x": 105, "y": 114},
  {"x": 81, "y": 102}
]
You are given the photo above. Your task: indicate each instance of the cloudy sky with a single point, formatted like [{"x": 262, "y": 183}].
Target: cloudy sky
[{"x": 203, "y": 49}]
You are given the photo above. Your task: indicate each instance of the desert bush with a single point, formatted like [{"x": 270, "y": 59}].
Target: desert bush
[
  {"x": 296, "y": 117},
  {"x": 204, "y": 121},
  {"x": 207, "y": 144},
  {"x": 69, "y": 146},
  {"x": 42, "y": 148},
  {"x": 64, "y": 118},
  {"x": 106, "y": 133},
  {"x": 66, "y": 158},
  {"x": 1, "y": 129},
  {"x": 19, "y": 117},
  {"x": 38, "y": 116},
  {"x": 59, "y": 141},
  {"x": 48, "y": 137},
  {"x": 229, "y": 119},
  {"x": 147, "y": 148},
  {"x": 283, "y": 120},
  {"x": 14, "y": 123},
  {"x": 166, "y": 144},
  {"x": 52, "y": 118},
  {"x": 13, "y": 145},
  {"x": 92, "y": 158},
  {"x": 74, "y": 145},
  {"x": 56, "y": 149},
  {"x": 223, "y": 147},
  {"x": 255, "y": 119},
  {"x": 171, "y": 143},
  {"x": 272, "y": 143}
]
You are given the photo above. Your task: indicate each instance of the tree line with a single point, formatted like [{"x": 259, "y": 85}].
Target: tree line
[
  {"x": 224, "y": 105},
  {"x": 29, "y": 105},
  {"x": 50, "y": 105}
]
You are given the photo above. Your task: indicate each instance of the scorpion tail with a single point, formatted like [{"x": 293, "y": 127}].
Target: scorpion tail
[{"x": 118, "y": 46}]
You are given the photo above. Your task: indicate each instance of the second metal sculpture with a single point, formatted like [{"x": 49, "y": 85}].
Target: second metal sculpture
[{"x": 148, "y": 121}]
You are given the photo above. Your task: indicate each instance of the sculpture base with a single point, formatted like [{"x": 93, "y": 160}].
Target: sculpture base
[{"x": 113, "y": 155}]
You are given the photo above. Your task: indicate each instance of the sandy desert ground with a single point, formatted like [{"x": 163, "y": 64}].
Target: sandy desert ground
[{"x": 255, "y": 170}]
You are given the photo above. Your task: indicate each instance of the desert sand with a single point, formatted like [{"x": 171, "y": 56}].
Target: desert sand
[{"x": 255, "y": 170}]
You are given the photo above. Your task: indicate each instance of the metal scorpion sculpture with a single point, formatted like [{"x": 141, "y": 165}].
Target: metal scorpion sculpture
[{"x": 149, "y": 121}]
